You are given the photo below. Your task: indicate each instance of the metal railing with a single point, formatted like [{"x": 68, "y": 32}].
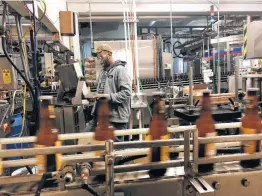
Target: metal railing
[{"x": 188, "y": 144}]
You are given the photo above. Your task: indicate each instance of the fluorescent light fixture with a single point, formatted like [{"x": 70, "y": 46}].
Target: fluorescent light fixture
[{"x": 152, "y": 23}]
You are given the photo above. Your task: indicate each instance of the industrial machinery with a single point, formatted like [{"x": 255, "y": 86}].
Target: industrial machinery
[{"x": 182, "y": 177}]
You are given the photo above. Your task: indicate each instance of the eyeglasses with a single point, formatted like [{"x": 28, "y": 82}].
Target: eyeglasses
[{"x": 99, "y": 56}]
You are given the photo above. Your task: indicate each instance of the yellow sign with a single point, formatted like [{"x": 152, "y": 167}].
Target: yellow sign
[{"x": 6, "y": 73}]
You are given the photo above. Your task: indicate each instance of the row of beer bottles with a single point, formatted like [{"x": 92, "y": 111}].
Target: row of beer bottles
[{"x": 250, "y": 124}]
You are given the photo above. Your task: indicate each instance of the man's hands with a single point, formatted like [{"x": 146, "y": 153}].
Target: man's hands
[{"x": 97, "y": 96}]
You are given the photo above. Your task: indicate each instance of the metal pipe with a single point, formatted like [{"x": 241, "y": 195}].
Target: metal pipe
[
  {"x": 91, "y": 25},
  {"x": 208, "y": 51},
  {"x": 236, "y": 78},
  {"x": 178, "y": 106},
  {"x": 195, "y": 150},
  {"x": 171, "y": 40},
  {"x": 128, "y": 25},
  {"x": 80, "y": 158},
  {"x": 218, "y": 79},
  {"x": 121, "y": 145},
  {"x": 136, "y": 47},
  {"x": 109, "y": 166},
  {"x": 139, "y": 167},
  {"x": 4, "y": 15},
  {"x": 73, "y": 159},
  {"x": 19, "y": 36},
  {"x": 149, "y": 144},
  {"x": 203, "y": 48},
  {"x": 19, "y": 163},
  {"x": 214, "y": 61},
  {"x": 24, "y": 45},
  {"x": 187, "y": 152},
  {"x": 230, "y": 158},
  {"x": 218, "y": 49},
  {"x": 235, "y": 138},
  {"x": 85, "y": 148},
  {"x": 21, "y": 179},
  {"x": 125, "y": 27},
  {"x": 73, "y": 136},
  {"x": 228, "y": 57},
  {"x": 190, "y": 85}
]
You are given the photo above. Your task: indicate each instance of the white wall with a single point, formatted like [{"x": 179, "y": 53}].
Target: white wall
[
  {"x": 104, "y": 31},
  {"x": 75, "y": 42}
]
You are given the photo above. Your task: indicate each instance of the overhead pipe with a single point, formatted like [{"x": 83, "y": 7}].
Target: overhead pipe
[
  {"x": 172, "y": 41},
  {"x": 91, "y": 26},
  {"x": 136, "y": 46},
  {"x": 125, "y": 26},
  {"x": 19, "y": 36},
  {"x": 128, "y": 25},
  {"x": 218, "y": 50}
]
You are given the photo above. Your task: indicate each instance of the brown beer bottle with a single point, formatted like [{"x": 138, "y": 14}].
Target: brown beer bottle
[
  {"x": 206, "y": 128},
  {"x": 103, "y": 130},
  {"x": 251, "y": 124},
  {"x": 47, "y": 136},
  {"x": 157, "y": 131}
]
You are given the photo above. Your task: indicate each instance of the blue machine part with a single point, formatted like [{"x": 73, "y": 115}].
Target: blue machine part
[
  {"x": 235, "y": 50},
  {"x": 16, "y": 128}
]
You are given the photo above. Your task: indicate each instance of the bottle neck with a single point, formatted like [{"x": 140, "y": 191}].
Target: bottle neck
[
  {"x": 206, "y": 105},
  {"x": 251, "y": 110}
]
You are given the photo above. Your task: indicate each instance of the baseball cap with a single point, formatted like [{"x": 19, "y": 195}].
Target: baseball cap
[{"x": 102, "y": 47}]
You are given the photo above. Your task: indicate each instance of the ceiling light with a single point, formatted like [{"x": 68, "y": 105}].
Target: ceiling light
[{"x": 152, "y": 23}]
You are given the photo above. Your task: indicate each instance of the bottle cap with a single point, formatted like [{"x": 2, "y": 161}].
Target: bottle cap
[
  {"x": 206, "y": 93},
  {"x": 252, "y": 91}
]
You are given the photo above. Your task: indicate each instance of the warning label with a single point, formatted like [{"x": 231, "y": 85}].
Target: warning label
[{"x": 6, "y": 73}]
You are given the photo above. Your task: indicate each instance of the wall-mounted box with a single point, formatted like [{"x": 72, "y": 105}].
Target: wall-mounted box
[{"x": 67, "y": 23}]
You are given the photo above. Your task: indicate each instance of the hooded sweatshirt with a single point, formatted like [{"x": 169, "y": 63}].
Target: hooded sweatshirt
[{"x": 116, "y": 82}]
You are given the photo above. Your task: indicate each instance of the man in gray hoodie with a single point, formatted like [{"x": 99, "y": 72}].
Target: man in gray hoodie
[{"x": 113, "y": 82}]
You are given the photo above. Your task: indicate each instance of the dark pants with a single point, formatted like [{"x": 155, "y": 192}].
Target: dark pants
[{"x": 117, "y": 126}]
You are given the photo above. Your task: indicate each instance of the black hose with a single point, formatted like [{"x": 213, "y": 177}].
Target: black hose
[
  {"x": 42, "y": 183},
  {"x": 89, "y": 189},
  {"x": 29, "y": 169},
  {"x": 126, "y": 159}
]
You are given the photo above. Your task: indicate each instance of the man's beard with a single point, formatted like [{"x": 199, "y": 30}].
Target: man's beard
[{"x": 105, "y": 64}]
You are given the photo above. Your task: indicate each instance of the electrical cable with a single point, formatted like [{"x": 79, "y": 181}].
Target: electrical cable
[
  {"x": 7, "y": 55},
  {"x": 15, "y": 67}
]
